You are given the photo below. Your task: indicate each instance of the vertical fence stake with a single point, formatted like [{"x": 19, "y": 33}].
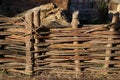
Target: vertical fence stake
[
  {"x": 36, "y": 21},
  {"x": 75, "y": 24},
  {"x": 29, "y": 43},
  {"x": 110, "y": 45}
]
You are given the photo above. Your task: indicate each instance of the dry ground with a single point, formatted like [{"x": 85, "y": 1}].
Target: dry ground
[{"x": 46, "y": 76}]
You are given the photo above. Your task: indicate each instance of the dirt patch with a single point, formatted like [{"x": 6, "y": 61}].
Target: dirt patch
[{"x": 47, "y": 76}]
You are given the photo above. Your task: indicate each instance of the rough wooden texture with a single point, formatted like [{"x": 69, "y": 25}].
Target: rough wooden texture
[
  {"x": 92, "y": 48},
  {"x": 112, "y": 29},
  {"x": 49, "y": 13},
  {"x": 75, "y": 24},
  {"x": 36, "y": 22},
  {"x": 12, "y": 44},
  {"x": 33, "y": 47},
  {"x": 29, "y": 43}
]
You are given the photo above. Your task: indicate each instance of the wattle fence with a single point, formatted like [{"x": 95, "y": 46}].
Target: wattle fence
[{"x": 28, "y": 47}]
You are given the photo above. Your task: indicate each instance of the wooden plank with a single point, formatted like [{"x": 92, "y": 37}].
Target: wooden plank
[
  {"x": 115, "y": 1},
  {"x": 118, "y": 57},
  {"x": 41, "y": 64},
  {"x": 41, "y": 61},
  {"x": 36, "y": 18},
  {"x": 14, "y": 65},
  {"x": 89, "y": 54},
  {"x": 22, "y": 30},
  {"x": 18, "y": 71},
  {"x": 101, "y": 69},
  {"x": 16, "y": 40},
  {"x": 104, "y": 48},
  {"x": 7, "y": 67},
  {"x": 36, "y": 22},
  {"x": 67, "y": 35},
  {"x": 70, "y": 46},
  {"x": 106, "y": 32},
  {"x": 17, "y": 47},
  {"x": 8, "y": 52},
  {"x": 40, "y": 50},
  {"x": 117, "y": 65},
  {"x": 44, "y": 33},
  {"x": 71, "y": 57},
  {"x": 8, "y": 42},
  {"x": 79, "y": 30},
  {"x": 114, "y": 69},
  {"x": 44, "y": 37},
  {"x": 5, "y": 23},
  {"x": 49, "y": 62},
  {"x": 105, "y": 55},
  {"x": 16, "y": 56},
  {"x": 95, "y": 41},
  {"x": 29, "y": 45},
  {"x": 41, "y": 56},
  {"x": 10, "y": 33},
  {"x": 103, "y": 61},
  {"x": 10, "y": 26},
  {"x": 42, "y": 69},
  {"x": 70, "y": 65},
  {"x": 66, "y": 40},
  {"x": 84, "y": 28},
  {"x": 67, "y": 51},
  {"x": 4, "y": 20},
  {"x": 66, "y": 30},
  {"x": 22, "y": 24},
  {"x": 16, "y": 37},
  {"x": 15, "y": 51},
  {"x": 96, "y": 70},
  {"x": 104, "y": 36},
  {"x": 42, "y": 44},
  {"x": 99, "y": 28},
  {"x": 62, "y": 54},
  {"x": 66, "y": 59},
  {"x": 66, "y": 72},
  {"x": 65, "y": 65},
  {"x": 10, "y": 59},
  {"x": 56, "y": 60}
]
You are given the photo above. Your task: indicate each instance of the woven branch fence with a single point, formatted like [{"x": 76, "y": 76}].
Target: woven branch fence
[{"x": 28, "y": 47}]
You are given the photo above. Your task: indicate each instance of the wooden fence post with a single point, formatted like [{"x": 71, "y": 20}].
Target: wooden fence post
[
  {"x": 110, "y": 45},
  {"x": 29, "y": 43},
  {"x": 36, "y": 21},
  {"x": 75, "y": 24}
]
